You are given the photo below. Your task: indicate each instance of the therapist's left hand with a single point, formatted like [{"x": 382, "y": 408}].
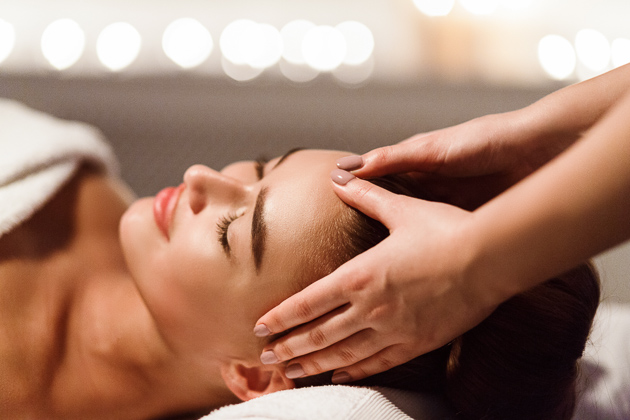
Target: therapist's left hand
[{"x": 406, "y": 296}]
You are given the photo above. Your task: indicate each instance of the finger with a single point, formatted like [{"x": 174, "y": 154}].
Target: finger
[
  {"x": 322, "y": 296},
  {"x": 316, "y": 335},
  {"x": 416, "y": 137},
  {"x": 372, "y": 200},
  {"x": 421, "y": 154},
  {"x": 348, "y": 352},
  {"x": 314, "y": 301},
  {"x": 385, "y": 359}
]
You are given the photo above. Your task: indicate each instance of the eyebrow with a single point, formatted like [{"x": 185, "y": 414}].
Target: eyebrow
[{"x": 259, "y": 225}]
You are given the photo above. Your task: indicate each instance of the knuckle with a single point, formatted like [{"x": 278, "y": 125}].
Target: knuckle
[
  {"x": 383, "y": 155},
  {"x": 380, "y": 312},
  {"x": 316, "y": 337},
  {"x": 358, "y": 283},
  {"x": 311, "y": 366},
  {"x": 358, "y": 372},
  {"x": 275, "y": 322},
  {"x": 347, "y": 355},
  {"x": 362, "y": 189},
  {"x": 383, "y": 363},
  {"x": 303, "y": 309},
  {"x": 283, "y": 351}
]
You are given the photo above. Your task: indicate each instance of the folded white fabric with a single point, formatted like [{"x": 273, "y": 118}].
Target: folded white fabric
[
  {"x": 604, "y": 390},
  {"x": 38, "y": 154},
  {"x": 336, "y": 402}
]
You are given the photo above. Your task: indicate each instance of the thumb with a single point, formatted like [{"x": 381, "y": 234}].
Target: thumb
[{"x": 418, "y": 154}]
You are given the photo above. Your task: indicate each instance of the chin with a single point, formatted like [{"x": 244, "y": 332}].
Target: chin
[{"x": 138, "y": 233}]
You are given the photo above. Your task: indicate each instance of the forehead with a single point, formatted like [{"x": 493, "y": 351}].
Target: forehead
[{"x": 300, "y": 202}]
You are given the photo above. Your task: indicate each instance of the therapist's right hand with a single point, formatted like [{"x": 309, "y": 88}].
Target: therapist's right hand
[
  {"x": 410, "y": 294},
  {"x": 470, "y": 163}
]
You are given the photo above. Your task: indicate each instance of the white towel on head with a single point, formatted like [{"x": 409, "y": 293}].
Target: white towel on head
[
  {"x": 337, "y": 402},
  {"x": 38, "y": 154}
]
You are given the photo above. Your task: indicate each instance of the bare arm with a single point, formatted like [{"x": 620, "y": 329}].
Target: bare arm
[
  {"x": 567, "y": 212},
  {"x": 442, "y": 270}
]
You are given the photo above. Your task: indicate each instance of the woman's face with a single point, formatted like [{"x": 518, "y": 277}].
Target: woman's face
[{"x": 211, "y": 256}]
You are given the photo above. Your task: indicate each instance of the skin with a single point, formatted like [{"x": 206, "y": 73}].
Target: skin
[{"x": 107, "y": 317}]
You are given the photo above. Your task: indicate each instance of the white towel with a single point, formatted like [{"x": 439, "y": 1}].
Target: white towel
[
  {"x": 38, "y": 154},
  {"x": 604, "y": 389},
  {"x": 337, "y": 402}
]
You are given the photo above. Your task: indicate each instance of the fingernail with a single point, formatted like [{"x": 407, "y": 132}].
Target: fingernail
[
  {"x": 350, "y": 163},
  {"x": 268, "y": 358},
  {"x": 341, "y": 378},
  {"x": 294, "y": 371},
  {"x": 261, "y": 330},
  {"x": 341, "y": 177}
]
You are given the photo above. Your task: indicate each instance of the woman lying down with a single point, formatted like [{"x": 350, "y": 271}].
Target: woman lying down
[{"x": 145, "y": 310}]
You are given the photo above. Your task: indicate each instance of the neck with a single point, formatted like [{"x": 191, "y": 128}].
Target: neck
[
  {"x": 80, "y": 341},
  {"x": 119, "y": 362}
]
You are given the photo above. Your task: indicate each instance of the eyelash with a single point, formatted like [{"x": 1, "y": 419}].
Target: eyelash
[
  {"x": 222, "y": 230},
  {"x": 225, "y": 221}
]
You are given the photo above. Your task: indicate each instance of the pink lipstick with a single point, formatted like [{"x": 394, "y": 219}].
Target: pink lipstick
[{"x": 164, "y": 207}]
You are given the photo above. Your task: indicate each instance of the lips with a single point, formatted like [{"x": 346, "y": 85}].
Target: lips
[{"x": 164, "y": 207}]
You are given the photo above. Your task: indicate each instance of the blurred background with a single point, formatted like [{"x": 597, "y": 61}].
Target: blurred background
[{"x": 172, "y": 83}]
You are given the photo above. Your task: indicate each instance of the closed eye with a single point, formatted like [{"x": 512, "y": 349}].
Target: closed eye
[
  {"x": 225, "y": 221},
  {"x": 222, "y": 230}
]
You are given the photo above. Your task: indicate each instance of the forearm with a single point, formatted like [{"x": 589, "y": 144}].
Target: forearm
[
  {"x": 576, "y": 108},
  {"x": 571, "y": 209}
]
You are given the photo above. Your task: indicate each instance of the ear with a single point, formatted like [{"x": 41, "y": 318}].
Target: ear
[{"x": 247, "y": 382}]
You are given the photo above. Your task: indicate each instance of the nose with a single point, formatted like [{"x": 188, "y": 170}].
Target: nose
[{"x": 207, "y": 186}]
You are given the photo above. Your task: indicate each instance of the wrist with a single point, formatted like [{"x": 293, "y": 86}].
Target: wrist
[
  {"x": 485, "y": 273},
  {"x": 475, "y": 270}
]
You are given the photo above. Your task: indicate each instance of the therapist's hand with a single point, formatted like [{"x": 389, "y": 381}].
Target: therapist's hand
[
  {"x": 470, "y": 163},
  {"x": 406, "y": 296}
]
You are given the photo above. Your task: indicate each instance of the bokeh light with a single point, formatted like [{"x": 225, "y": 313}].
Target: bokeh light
[
  {"x": 620, "y": 51},
  {"x": 236, "y": 41},
  {"x": 556, "y": 56},
  {"x": 258, "y": 45},
  {"x": 240, "y": 72},
  {"x": 292, "y": 38},
  {"x": 187, "y": 42},
  {"x": 435, "y": 7},
  {"x": 324, "y": 48},
  {"x": 300, "y": 73},
  {"x": 480, "y": 7},
  {"x": 118, "y": 45},
  {"x": 268, "y": 44},
  {"x": 63, "y": 42},
  {"x": 7, "y": 39},
  {"x": 593, "y": 49},
  {"x": 354, "y": 74},
  {"x": 359, "y": 42}
]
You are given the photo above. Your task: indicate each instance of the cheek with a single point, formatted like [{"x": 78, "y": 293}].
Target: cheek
[{"x": 190, "y": 279}]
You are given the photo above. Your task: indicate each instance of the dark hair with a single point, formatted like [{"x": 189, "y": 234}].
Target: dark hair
[{"x": 519, "y": 363}]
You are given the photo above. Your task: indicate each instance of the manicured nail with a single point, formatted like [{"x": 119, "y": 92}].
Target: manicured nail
[
  {"x": 261, "y": 330},
  {"x": 294, "y": 371},
  {"x": 350, "y": 163},
  {"x": 268, "y": 358},
  {"x": 341, "y": 378},
  {"x": 341, "y": 177}
]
